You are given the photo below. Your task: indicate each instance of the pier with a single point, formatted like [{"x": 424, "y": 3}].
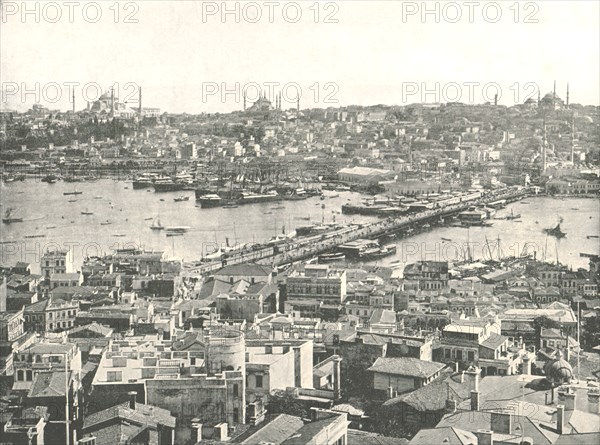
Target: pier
[{"x": 296, "y": 249}]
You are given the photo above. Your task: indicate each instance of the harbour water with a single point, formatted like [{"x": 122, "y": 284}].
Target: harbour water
[{"x": 121, "y": 217}]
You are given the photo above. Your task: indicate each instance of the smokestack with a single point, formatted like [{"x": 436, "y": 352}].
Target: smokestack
[
  {"x": 132, "y": 396},
  {"x": 560, "y": 418}
]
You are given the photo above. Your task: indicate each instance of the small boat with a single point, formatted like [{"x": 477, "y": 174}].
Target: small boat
[
  {"x": 174, "y": 234},
  {"x": 574, "y": 208},
  {"x": 87, "y": 212},
  {"x": 446, "y": 239},
  {"x": 331, "y": 257},
  {"x": 334, "y": 196},
  {"x": 105, "y": 223},
  {"x": 119, "y": 235},
  {"x": 125, "y": 188},
  {"x": 72, "y": 200},
  {"x": 230, "y": 206},
  {"x": 278, "y": 207},
  {"x": 592, "y": 236},
  {"x": 148, "y": 219},
  {"x": 181, "y": 198},
  {"x": 267, "y": 213},
  {"x": 161, "y": 199},
  {"x": 10, "y": 216},
  {"x": 50, "y": 227},
  {"x": 97, "y": 197},
  {"x": 74, "y": 192},
  {"x": 36, "y": 236}
]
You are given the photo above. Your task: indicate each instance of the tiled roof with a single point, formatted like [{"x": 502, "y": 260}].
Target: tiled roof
[
  {"x": 48, "y": 384},
  {"x": 406, "y": 366},
  {"x": 247, "y": 269},
  {"x": 445, "y": 435},
  {"x": 142, "y": 414},
  {"x": 274, "y": 432}
]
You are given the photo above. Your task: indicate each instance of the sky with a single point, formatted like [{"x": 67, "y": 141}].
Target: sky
[{"x": 195, "y": 57}]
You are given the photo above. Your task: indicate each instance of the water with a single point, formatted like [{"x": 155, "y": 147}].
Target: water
[
  {"x": 515, "y": 237},
  {"x": 43, "y": 205}
]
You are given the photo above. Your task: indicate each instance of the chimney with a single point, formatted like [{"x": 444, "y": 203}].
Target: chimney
[
  {"x": 450, "y": 406},
  {"x": 220, "y": 432},
  {"x": 567, "y": 398},
  {"x": 336, "y": 377},
  {"x": 474, "y": 400},
  {"x": 526, "y": 369},
  {"x": 473, "y": 376},
  {"x": 390, "y": 392},
  {"x": 485, "y": 437},
  {"x": 560, "y": 418},
  {"x": 501, "y": 422},
  {"x": 455, "y": 366},
  {"x": 196, "y": 430},
  {"x": 132, "y": 395},
  {"x": 594, "y": 400},
  {"x": 462, "y": 377}
]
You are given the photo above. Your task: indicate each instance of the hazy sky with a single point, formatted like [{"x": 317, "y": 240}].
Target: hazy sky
[{"x": 372, "y": 52}]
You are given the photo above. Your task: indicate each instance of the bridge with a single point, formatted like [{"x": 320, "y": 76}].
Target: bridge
[{"x": 297, "y": 249}]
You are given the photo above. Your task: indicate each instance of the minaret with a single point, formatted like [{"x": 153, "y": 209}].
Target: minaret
[
  {"x": 539, "y": 98},
  {"x": 544, "y": 144},
  {"x": 567, "y": 95},
  {"x": 140, "y": 102},
  {"x": 244, "y": 94},
  {"x": 112, "y": 100},
  {"x": 298, "y": 103},
  {"x": 73, "y": 100},
  {"x": 554, "y": 96},
  {"x": 572, "y": 138}
]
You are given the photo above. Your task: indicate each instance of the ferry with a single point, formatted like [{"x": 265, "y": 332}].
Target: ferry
[
  {"x": 209, "y": 201},
  {"x": 177, "y": 229}
]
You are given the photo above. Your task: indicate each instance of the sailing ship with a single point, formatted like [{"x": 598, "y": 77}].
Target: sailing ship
[
  {"x": 512, "y": 215},
  {"x": 156, "y": 225},
  {"x": 10, "y": 216}
]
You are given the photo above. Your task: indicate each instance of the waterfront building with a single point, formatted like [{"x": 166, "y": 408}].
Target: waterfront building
[{"x": 314, "y": 289}]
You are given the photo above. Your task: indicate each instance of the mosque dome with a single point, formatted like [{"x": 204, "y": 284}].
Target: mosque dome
[{"x": 558, "y": 370}]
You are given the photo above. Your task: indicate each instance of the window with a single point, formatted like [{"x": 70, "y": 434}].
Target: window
[
  {"x": 20, "y": 375},
  {"x": 235, "y": 390},
  {"x": 236, "y": 415},
  {"x": 259, "y": 381},
  {"x": 114, "y": 376},
  {"x": 471, "y": 356},
  {"x": 29, "y": 376}
]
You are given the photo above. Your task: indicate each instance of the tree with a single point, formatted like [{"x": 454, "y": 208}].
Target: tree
[
  {"x": 281, "y": 402},
  {"x": 590, "y": 334}
]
